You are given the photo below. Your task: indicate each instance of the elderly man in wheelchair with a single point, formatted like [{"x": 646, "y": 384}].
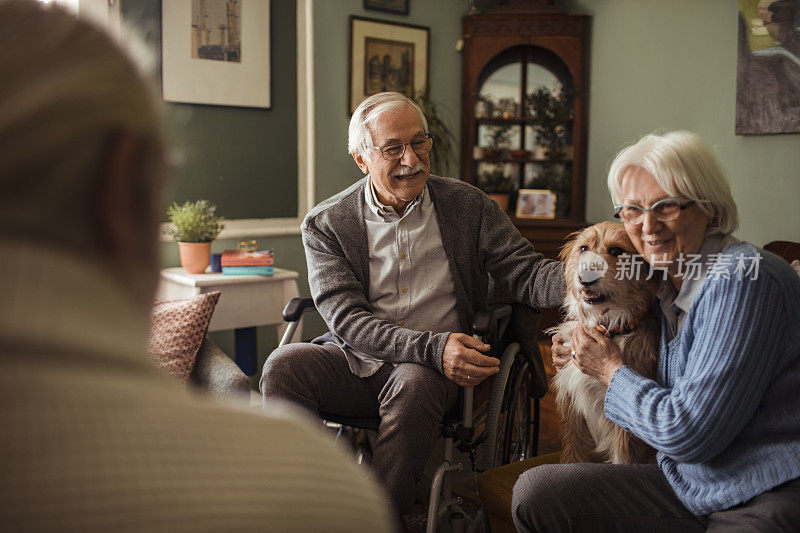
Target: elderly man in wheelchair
[{"x": 400, "y": 264}]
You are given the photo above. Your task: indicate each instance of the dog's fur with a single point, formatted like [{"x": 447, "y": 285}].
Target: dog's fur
[{"x": 587, "y": 435}]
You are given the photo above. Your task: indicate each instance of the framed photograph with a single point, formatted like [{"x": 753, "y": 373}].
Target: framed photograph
[
  {"x": 386, "y": 56},
  {"x": 536, "y": 203},
  {"x": 216, "y": 52},
  {"x": 398, "y": 7}
]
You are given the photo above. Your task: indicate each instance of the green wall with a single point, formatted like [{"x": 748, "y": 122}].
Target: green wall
[
  {"x": 242, "y": 159},
  {"x": 659, "y": 65}
]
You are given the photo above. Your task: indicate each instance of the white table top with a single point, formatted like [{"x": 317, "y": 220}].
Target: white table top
[{"x": 179, "y": 275}]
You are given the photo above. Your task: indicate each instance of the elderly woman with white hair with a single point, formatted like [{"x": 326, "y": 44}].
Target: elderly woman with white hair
[{"x": 723, "y": 413}]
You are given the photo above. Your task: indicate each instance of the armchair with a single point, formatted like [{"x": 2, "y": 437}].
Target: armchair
[{"x": 217, "y": 374}]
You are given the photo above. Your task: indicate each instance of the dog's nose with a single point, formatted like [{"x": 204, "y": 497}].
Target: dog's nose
[{"x": 588, "y": 283}]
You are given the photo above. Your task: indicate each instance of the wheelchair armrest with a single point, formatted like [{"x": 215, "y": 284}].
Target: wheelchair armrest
[
  {"x": 492, "y": 322},
  {"x": 296, "y": 307}
]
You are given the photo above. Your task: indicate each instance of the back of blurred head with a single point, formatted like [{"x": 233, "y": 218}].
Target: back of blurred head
[{"x": 81, "y": 143}]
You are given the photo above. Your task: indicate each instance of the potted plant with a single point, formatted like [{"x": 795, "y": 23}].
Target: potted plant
[
  {"x": 443, "y": 155},
  {"x": 499, "y": 138},
  {"x": 496, "y": 185},
  {"x": 550, "y": 111},
  {"x": 195, "y": 225}
]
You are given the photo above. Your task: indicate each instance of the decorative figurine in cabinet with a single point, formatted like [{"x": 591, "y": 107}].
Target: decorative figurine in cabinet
[{"x": 524, "y": 115}]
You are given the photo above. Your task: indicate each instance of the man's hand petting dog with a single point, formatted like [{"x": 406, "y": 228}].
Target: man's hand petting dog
[
  {"x": 463, "y": 361},
  {"x": 595, "y": 354}
]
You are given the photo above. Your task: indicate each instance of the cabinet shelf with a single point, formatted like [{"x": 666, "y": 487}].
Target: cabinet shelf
[
  {"x": 511, "y": 120},
  {"x": 513, "y": 160},
  {"x": 569, "y": 223}
]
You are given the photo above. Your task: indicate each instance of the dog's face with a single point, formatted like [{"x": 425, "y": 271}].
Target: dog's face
[{"x": 602, "y": 283}]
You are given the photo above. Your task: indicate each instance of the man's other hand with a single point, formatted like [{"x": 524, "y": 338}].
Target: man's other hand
[
  {"x": 561, "y": 351},
  {"x": 463, "y": 361}
]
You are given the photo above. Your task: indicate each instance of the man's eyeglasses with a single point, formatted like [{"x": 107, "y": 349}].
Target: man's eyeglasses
[
  {"x": 420, "y": 145},
  {"x": 664, "y": 210}
]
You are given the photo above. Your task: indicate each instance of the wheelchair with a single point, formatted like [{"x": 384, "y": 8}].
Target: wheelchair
[{"x": 506, "y": 413}]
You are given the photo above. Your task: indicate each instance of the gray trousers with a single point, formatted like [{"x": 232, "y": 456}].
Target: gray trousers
[
  {"x": 410, "y": 399},
  {"x": 603, "y": 497}
]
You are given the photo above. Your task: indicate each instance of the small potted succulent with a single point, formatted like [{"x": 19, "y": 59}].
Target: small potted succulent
[
  {"x": 195, "y": 225},
  {"x": 496, "y": 185}
]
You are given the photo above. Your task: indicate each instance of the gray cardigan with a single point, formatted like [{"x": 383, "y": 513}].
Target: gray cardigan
[{"x": 487, "y": 256}]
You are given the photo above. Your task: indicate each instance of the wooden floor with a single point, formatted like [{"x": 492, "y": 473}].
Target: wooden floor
[{"x": 549, "y": 440}]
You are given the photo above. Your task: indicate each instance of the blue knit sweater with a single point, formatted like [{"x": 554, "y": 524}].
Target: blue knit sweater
[{"x": 724, "y": 411}]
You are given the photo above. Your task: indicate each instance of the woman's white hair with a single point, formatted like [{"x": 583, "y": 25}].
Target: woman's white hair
[
  {"x": 359, "y": 136},
  {"x": 684, "y": 166}
]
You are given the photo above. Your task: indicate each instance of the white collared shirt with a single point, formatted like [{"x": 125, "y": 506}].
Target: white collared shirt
[
  {"x": 410, "y": 280},
  {"x": 675, "y": 304}
]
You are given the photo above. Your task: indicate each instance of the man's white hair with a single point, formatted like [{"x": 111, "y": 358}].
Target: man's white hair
[
  {"x": 67, "y": 92},
  {"x": 359, "y": 137},
  {"x": 683, "y": 165}
]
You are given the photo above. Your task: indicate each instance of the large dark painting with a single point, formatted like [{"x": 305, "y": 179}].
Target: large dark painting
[{"x": 768, "y": 73}]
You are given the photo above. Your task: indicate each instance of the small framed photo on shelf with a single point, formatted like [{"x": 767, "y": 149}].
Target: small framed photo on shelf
[
  {"x": 536, "y": 203},
  {"x": 386, "y": 56},
  {"x": 398, "y": 7}
]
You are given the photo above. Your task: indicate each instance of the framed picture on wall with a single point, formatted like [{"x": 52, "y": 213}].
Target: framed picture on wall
[
  {"x": 216, "y": 52},
  {"x": 768, "y": 67},
  {"x": 386, "y": 56},
  {"x": 398, "y": 7},
  {"x": 536, "y": 203}
]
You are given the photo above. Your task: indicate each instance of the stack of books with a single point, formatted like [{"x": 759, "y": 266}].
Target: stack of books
[{"x": 239, "y": 262}]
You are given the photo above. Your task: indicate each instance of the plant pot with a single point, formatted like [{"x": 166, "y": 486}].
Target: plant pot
[
  {"x": 490, "y": 153},
  {"x": 519, "y": 154},
  {"x": 195, "y": 256},
  {"x": 501, "y": 198}
]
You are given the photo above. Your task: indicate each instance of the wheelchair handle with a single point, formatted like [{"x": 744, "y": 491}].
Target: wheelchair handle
[
  {"x": 296, "y": 307},
  {"x": 497, "y": 316}
]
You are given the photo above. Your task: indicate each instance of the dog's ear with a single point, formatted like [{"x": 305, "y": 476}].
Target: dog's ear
[{"x": 563, "y": 254}]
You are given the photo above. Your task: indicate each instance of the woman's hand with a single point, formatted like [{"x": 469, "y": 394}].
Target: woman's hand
[
  {"x": 595, "y": 354},
  {"x": 560, "y": 351}
]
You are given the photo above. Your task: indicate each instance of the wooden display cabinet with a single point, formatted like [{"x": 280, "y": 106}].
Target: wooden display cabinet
[{"x": 513, "y": 49}]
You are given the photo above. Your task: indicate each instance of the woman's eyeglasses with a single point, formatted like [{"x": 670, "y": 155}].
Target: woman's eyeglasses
[{"x": 663, "y": 210}]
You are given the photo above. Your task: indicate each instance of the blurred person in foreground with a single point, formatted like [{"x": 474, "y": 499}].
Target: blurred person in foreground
[{"x": 94, "y": 436}]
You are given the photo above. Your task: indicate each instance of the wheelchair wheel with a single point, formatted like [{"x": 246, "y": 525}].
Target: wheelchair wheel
[{"x": 509, "y": 418}]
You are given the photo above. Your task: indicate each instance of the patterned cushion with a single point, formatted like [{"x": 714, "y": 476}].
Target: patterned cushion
[{"x": 178, "y": 330}]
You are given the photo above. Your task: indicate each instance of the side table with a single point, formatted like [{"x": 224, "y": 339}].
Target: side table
[{"x": 245, "y": 302}]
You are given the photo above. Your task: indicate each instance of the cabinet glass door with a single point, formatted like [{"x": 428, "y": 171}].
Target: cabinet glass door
[{"x": 523, "y": 125}]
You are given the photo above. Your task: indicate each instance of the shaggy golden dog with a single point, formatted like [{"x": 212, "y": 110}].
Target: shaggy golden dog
[{"x": 621, "y": 309}]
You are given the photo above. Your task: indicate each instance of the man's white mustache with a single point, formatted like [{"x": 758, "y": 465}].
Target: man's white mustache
[{"x": 404, "y": 172}]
